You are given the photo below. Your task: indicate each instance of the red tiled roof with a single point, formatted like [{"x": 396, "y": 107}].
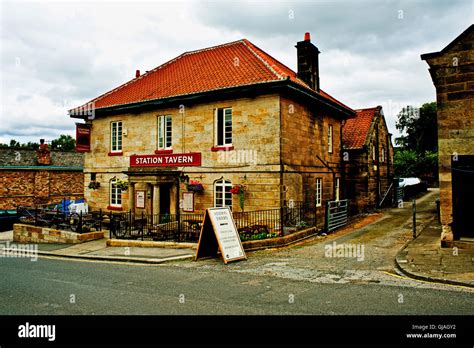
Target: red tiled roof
[
  {"x": 356, "y": 129},
  {"x": 233, "y": 64}
]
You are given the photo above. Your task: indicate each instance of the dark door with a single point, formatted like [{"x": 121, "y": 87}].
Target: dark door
[
  {"x": 165, "y": 198},
  {"x": 463, "y": 196}
]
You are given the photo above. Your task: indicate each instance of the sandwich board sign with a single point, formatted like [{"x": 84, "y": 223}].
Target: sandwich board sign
[{"x": 218, "y": 232}]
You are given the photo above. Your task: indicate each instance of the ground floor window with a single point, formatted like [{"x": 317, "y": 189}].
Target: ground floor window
[
  {"x": 319, "y": 191},
  {"x": 337, "y": 188},
  {"x": 115, "y": 194},
  {"x": 222, "y": 194}
]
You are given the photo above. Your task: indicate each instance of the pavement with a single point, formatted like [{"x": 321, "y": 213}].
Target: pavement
[
  {"x": 423, "y": 258},
  {"x": 98, "y": 250}
]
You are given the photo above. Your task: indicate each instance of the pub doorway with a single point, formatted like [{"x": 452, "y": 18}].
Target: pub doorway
[{"x": 165, "y": 199}]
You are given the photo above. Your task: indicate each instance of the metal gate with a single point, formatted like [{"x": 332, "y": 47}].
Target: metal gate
[{"x": 336, "y": 214}]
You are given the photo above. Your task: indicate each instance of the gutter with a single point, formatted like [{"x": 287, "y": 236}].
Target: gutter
[{"x": 233, "y": 92}]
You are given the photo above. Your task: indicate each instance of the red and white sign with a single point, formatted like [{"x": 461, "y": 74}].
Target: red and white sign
[
  {"x": 83, "y": 137},
  {"x": 191, "y": 159}
]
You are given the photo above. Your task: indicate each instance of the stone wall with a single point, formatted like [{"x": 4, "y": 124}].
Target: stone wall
[
  {"x": 304, "y": 139},
  {"x": 31, "y": 187},
  {"x": 35, "y": 234}
]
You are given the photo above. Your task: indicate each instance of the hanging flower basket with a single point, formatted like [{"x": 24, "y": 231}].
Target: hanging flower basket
[
  {"x": 94, "y": 185},
  {"x": 239, "y": 190},
  {"x": 121, "y": 184},
  {"x": 195, "y": 186}
]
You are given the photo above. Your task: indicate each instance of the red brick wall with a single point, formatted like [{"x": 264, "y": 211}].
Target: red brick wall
[{"x": 29, "y": 187}]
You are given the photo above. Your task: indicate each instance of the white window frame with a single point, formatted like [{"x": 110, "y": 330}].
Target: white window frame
[
  {"x": 115, "y": 196},
  {"x": 225, "y": 112},
  {"x": 319, "y": 192},
  {"x": 337, "y": 188},
  {"x": 225, "y": 185},
  {"x": 165, "y": 132},
  {"x": 330, "y": 138},
  {"x": 382, "y": 155},
  {"x": 116, "y": 132}
]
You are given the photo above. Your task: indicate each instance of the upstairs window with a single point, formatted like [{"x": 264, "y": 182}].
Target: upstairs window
[
  {"x": 116, "y": 136},
  {"x": 223, "y": 127},
  {"x": 382, "y": 155},
  {"x": 330, "y": 138},
  {"x": 165, "y": 130},
  {"x": 373, "y": 152},
  {"x": 222, "y": 194}
]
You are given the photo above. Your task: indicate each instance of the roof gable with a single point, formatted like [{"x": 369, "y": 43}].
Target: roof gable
[
  {"x": 356, "y": 130},
  {"x": 451, "y": 45}
]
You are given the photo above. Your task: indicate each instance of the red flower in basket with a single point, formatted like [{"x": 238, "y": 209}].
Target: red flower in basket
[{"x": 238, "y": 189}]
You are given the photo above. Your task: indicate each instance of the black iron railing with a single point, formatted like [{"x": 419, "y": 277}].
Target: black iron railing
[
  {"x": 259, "y": 224},
  {"x": 51, "y": 217}
]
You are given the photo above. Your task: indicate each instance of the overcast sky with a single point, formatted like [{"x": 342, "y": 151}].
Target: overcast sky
[{"x": 58, "y": 55}]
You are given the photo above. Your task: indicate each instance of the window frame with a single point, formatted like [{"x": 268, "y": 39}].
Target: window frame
[
  {"x": 382, "y": 155},
  {"x": 118, "y": 194},
  {"x": 319, "y": 192},
  {"x": 337, "y": 189},
  {"x": 330, "y": 138},
  {"x": 224, "y": 131},
  {"x": 162, "y": 132},
  {"x": 224, "y": 184},
  {"x": 118, "y": 135}
]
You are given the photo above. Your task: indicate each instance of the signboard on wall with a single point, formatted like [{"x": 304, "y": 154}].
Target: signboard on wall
[
  {"x": 191, "y": 159},
  {"x": 140, "y": 199},
  {"x": 218, "y": 232},
  {"x": 83, "y": 137},
  {"x": 188, "y": 201}
]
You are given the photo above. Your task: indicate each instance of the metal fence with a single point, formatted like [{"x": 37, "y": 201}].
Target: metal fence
[
  {"x": 259, "y": 224},
  {"x": 52, "y": 217},
  {"x": 336, "y": 214}
]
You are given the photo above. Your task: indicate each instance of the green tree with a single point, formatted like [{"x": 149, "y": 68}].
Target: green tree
[
  {"x": 420, "y": 128},
  {"x": 64, "y": 143},
  {"x": 408, "y": 163}
]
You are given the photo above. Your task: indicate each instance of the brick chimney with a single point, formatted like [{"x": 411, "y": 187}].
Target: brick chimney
[
  {"x": 137, "y": 73},
  {"x": 308, "y": 62}
]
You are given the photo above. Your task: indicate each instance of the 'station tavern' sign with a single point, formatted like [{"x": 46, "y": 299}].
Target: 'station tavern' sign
[{"x": 166, "y": 160}]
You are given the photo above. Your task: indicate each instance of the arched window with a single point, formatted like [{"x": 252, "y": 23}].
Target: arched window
[
  {"x": 115, "y": 194},
  {"x": 222, "y": 195}
]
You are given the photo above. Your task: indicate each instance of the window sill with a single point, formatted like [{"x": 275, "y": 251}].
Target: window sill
[
  {"x": 163, "y": 152},
  {"x": 111, "y": 207},
  {"x": 115, "y": 153},
  {"x": 222, "y": 148}
]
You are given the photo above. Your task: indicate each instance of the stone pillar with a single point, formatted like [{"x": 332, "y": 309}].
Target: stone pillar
[
  {"x": 173, "y": 199},
  {"x": 131, "y": 197},
  {"x": 156, "y": 202}
]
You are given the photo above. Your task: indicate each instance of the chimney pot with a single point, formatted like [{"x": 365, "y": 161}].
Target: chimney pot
[
  {"x": 137, "y": 73},
  {"x": 307, "y": 36}
]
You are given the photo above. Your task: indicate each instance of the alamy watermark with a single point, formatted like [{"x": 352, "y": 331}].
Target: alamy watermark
[
  {"x": 19, "y": 250},
  {"x": 345, "y": 250},
  {"x": 238, "y": 157}
]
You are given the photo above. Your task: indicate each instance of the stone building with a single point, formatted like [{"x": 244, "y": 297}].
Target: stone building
[
  {"x": 219, "y": 117},
  {"x": 368, "y": 160},
  {"x": 452, "y": 72},
  {"x": 23, "y": 181}
]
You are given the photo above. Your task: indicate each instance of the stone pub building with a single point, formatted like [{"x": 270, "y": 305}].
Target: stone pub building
[{"x": 212, "y": 119}]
